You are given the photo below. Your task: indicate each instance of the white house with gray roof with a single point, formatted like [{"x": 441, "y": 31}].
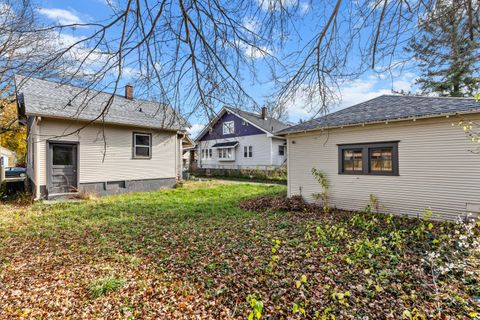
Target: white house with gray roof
[
  {"x": 237, "y": 139},
  {"x": 406, "y": 151},
  {"x": 135, "y": 145}
]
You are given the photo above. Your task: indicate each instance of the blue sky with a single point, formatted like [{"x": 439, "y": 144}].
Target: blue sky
[{"x": 366, "y": 87}]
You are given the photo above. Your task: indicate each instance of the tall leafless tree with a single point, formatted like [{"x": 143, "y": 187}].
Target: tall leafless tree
[{"x": 194, "y": 55}]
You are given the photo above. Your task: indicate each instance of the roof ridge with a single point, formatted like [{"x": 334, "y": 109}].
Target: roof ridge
[
  {"x": 254, "y": 114},
  {"x": 91, "y": 90},
  {"x": 419, "y": 96}
]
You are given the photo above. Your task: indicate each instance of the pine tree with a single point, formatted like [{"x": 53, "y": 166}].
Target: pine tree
[{"x": 448, "y": 50}]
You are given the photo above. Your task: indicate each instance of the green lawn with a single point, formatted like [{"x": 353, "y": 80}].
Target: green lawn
[{"x": 193, "y": 253}]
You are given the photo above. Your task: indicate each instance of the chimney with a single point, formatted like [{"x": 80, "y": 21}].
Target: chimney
[
  {"x": 264, "y": 113},
  {"x": 129, "y": 91}
]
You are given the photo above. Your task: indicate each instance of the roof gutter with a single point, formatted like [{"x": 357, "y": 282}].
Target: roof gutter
[{"x": 414, "y": 118}]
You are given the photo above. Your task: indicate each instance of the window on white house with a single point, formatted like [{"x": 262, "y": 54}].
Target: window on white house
[
  {"x": 229, "y": 127},
  {"x": 281, "y": 150},
  {"x": 225, "y": 154},
  {"x": 248, "y": 151},
  {"x": 142, "y": 145},
  {"x": 207, "y": 153}
]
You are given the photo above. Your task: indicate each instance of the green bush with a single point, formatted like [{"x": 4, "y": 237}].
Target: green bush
[{"x": 274, "y": 175}]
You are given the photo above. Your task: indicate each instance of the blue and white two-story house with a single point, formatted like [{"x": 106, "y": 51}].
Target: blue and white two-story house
[{"x": 237, "y": 139}]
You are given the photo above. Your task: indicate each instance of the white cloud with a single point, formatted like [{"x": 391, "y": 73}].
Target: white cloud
[
  {"x": 373, "y": 86},
  {"x": 251, "y": 24},
  {"x": 61, "y": 16},
  {"x": 304, "y": 7},
  {"x": 274, "y": 5},
  {"x": 130, "y": 73},
  {"x": 303, "y": 106},
  {"x": 256, "y": 52},
  {"x": 195, "y": 129}
]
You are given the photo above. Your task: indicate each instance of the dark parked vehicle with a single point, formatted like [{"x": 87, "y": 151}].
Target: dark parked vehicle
[{"x": 15, "y": 172}]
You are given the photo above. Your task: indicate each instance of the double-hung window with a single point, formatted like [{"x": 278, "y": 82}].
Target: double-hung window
[
  {"x": 248, "y": 151},
  {"x": 228, "y": 127},
  {"x": 207, "y": 153},
  {"x": 368, "y": 158},
  {"x": 142, "y": 145},
  {"x": 281, "y": 150},
  {"x": 225, "y": 154}
]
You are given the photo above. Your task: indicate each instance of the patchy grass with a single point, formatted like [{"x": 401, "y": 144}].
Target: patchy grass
[
  {"x": 105, "y": 285},
  {"x": 193, "y": 252}
]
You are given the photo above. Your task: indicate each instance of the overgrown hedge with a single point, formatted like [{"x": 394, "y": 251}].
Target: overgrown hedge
[{"x": 278, "y": 175}]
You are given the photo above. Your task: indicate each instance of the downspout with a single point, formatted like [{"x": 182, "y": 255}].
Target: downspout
[
  {"x": 289, "y": 184},
  {"x": 36, "y": 160},
  {"x": 180, "y": 156}
]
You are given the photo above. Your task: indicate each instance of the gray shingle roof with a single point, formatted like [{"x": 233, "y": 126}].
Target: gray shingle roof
[
  {"x": 270, "y": 124},
  {"x": 389, "y": 107},
  {"x": 51, "y": 99}
]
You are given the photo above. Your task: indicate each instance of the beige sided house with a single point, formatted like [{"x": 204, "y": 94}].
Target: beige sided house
[
  {"x": 7, "y": 157},
  {"x": 135, "y": 146},
  {"x": 403, "y": 150}
]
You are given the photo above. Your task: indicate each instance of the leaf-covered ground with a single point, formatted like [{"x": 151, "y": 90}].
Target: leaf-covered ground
[{"x": 194, "y": 253}]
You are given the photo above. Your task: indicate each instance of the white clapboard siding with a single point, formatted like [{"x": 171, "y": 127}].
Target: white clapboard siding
[
  {"x": 277, "y": 159},
  {"x": 437, "y": 168},
  {"x": 262, "y": 152},
  {"x": 118, "y": 163}
]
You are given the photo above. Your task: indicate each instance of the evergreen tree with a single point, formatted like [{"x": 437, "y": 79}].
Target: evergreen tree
[{"x": 447, "y": 50}]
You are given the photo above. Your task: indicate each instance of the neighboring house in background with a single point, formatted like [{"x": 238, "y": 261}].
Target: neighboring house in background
[
  {"x": 403, "y": 150},
  {"x": 135, "y": 146},
  {"x": 188, "y": 148},
  {"x": 237, "y": 139},
  {"x": 7, "y": 157}
]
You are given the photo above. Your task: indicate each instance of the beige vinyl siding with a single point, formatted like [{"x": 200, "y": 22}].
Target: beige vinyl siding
[
  {"x": 437, "y": 168},
  {"x": 178, "y": 158},
  {"x": 119, "y": 163},
  {"x": 32, "y": 151}
]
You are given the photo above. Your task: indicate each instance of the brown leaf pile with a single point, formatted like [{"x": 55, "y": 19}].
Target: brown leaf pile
[
  {"x": 193, "y": 254},
  {"x": 279, "y": 203}
]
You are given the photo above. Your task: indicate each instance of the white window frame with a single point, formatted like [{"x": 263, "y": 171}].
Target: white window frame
[
  {"x": 248, "y": 151},
  {"x": 228, "y": 127},
  {"x": 135, "y": 145},
  {"x": 207, "y": 153},
  {"x": 226, "y": 154}
]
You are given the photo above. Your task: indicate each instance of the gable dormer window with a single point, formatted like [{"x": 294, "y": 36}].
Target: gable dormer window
[{"x": 229, "y": 127}]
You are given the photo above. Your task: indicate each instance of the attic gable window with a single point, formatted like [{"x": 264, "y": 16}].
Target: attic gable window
[
  {"x": 229, "y": 127},
  {"x": 369, "y": 158},
  {"x": 142, "y": 145}
]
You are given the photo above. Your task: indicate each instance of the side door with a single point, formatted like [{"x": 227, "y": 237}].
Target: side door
[{"x": 62, "y": 167}]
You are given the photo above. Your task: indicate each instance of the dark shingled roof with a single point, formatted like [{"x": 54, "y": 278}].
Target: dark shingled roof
[
  {"x": 55, "y": 100},
  {"x": 225, "y": 144},
  {"x": 270, "y": 125},
  {"x": 389, "y": 107}
]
